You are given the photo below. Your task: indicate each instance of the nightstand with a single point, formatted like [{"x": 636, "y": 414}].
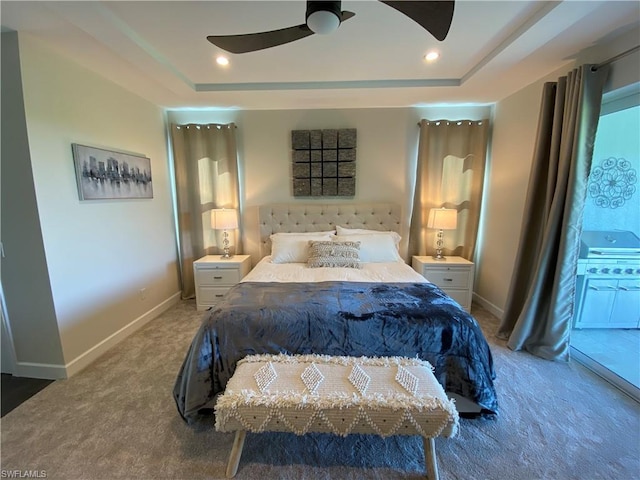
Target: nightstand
[
  {"x": 453, "y": 275},
  {"x": 214, "y": 275}
]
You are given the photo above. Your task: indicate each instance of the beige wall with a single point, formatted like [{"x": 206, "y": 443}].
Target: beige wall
[
  {"x": 386, "y": 152},
  {"x": 514, "y": 127},
  {"x": 99, "y": 254}
]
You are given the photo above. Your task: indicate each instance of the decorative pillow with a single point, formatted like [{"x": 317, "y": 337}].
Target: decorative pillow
[
  {"x": 374, "y": 248},
  {"x": 293, "y": 248},
  {"x": 362, "y": 231},
  {"x": 333, "y": 254}
]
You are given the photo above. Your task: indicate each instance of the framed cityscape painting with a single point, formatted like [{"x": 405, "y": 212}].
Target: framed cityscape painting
[{"x": 109, "y": 174}]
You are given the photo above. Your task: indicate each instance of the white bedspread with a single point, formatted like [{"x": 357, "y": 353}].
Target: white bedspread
[{"x": 265, "y": 271}]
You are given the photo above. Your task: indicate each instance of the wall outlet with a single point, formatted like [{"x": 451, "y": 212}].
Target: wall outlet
[{"x": 143, "y": 293}]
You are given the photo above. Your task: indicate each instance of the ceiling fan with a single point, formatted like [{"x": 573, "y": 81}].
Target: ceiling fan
[{"x": 326, "y": 17}]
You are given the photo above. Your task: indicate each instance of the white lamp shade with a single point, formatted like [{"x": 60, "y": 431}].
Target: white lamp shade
[
  {"x": 443, "y": 218},
  {"x": 224, "y": 219}
]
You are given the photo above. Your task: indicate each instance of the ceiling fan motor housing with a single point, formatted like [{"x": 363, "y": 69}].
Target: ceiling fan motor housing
[{"x": 323, "y": 17}]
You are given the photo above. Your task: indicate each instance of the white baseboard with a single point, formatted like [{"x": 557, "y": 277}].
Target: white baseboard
[
  {"x": 40, "y": 370},
  {"x": 56, "y": 372},
  {"x": 82, "y": 361},
  {"x": 487, "y": 305}
]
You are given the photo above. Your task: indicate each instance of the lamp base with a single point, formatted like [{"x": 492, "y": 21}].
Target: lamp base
[
  {"x": 225, "y": 250},
  {"x": 439, "y": 256}
]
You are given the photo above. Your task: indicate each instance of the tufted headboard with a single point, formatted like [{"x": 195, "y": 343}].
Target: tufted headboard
[{"x": 317, "y": 217}]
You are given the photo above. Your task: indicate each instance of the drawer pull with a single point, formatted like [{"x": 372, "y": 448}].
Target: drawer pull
[
  {"x": 217, "y": 278},
  {"x": 218, "y": 295},
  {"x": 448, "y": 279}
]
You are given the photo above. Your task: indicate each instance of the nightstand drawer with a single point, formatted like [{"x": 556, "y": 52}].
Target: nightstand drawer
[
  {"x": 217, "y": 276},
  {"x": 211, "y": 295},
  {"x": 463, "y": 297},
  {"x": 448, "y": 278}
]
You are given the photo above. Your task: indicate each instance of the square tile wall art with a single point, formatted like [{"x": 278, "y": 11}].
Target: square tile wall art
[{"x": 324, "y": 162}]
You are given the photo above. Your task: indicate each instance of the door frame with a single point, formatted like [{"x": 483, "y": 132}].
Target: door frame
[{"x": 8, "y": 362}]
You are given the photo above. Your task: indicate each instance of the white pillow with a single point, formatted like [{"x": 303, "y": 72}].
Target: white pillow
[
  {"x": 293, "y": 234},
  {"x": 294, "y": 248},
  {"x": 362, "y": 231},
  {"x": 374, "y": 248}
]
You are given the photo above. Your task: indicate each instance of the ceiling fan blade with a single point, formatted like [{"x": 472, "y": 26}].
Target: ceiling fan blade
[
  {"x": 344, "y": 16},
  {"x": 252, "y": 42},
  {"x": 434, "y": 16}
]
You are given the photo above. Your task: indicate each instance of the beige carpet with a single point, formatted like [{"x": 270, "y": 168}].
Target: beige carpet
[{"x": 117, "y": 420}]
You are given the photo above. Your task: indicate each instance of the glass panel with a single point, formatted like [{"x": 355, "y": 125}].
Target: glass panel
[{"x": 606, "y": 329}]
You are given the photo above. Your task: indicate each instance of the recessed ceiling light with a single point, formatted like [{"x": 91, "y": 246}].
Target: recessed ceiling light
[
  {"x": 222, "y": 60},
  {"x": 431, "y": 56}
]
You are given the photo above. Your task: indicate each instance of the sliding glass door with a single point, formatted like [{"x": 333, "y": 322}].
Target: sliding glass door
[{"x": 606, "y": 330}]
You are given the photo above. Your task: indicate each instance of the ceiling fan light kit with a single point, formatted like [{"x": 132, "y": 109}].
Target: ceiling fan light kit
[{"x": 325, "y": 17}]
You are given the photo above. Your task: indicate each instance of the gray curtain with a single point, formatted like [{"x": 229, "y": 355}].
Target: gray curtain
[
  {"x": 206, "y": 174},
  {"x": 450, "y": 174},
  {"x": 539, "y": 308}
]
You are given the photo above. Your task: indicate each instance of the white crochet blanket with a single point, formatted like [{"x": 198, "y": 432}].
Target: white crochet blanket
[{"x": 340, "y": 395}]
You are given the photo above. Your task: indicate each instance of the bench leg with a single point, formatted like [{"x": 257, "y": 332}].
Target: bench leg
[
  {"x": 430, "y": 458},
  {"x": 236, "y": 451}
]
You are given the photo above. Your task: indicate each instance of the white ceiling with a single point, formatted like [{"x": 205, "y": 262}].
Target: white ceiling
[{"x": 159, "y": 50}]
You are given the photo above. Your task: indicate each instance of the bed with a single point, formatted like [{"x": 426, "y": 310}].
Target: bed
[{"x": 332, "y": 281}]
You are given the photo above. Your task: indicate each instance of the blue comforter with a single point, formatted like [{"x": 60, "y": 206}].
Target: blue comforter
[{"x": 336, "y": 318}]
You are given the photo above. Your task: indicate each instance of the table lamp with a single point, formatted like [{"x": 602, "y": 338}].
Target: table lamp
[
  {"x": 224, "y": 219},
  {"x": 442, "y": 219}
]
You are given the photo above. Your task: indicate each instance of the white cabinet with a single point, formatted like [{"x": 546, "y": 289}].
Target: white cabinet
[
  {"x": 454, "y": 275},
  {"x": 214, "y": 276},
  {"x": 607, "y": 302}
]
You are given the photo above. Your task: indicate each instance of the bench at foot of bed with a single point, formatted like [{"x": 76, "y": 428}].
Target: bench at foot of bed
[{"x": 340, "y": 395}]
